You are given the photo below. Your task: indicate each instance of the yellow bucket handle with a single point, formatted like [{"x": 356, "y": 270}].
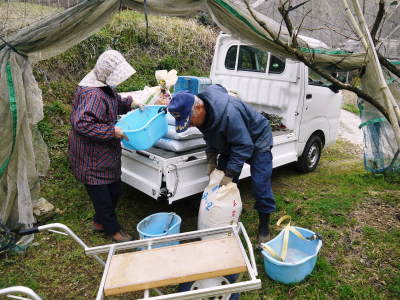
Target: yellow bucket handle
[{"x": 288, "y": 228}]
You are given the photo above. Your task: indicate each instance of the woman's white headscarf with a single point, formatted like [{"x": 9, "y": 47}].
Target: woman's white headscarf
[{"x": 111, "y": 70}]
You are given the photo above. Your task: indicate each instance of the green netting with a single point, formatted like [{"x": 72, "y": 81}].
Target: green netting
[{"x": 381, "y": 154}]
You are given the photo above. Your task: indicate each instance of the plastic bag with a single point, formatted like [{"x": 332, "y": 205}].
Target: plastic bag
[
  {"x": 170, "y": 119},
  {"x": 156, "y": 95},
  {"x": 179, "y": 146},
  {"x": 220, "y": 206},
  {"x": 188, "y": 134}
]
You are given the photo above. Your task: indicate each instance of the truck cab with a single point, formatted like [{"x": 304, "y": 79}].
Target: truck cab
[{"x": 308, "y": 108}]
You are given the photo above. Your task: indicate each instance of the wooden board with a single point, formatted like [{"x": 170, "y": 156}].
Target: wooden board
[{"x": 173, "y": 265}]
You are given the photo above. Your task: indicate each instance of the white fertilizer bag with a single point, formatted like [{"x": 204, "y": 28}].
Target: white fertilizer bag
[
  {"x": 170, "y": 119},
  {"x": 179, "y": 146},
  {"x": 188, "y": 134},
  {"x": 220, "y": 206}
]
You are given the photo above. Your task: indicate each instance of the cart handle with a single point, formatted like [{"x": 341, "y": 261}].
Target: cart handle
[
  {"x": 29, "y": 231},
  {"x": 65, "y": 230},
  {"x": 22, "y": 290}
]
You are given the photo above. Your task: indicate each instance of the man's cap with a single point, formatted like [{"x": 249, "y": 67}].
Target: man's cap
[{"x": 180, "y": 108}]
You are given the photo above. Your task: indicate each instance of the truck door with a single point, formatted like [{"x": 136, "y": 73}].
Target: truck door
[{"x": 321, "y": 109}]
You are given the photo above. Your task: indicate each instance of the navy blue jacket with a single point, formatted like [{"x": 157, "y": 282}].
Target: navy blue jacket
[{"x": 233, "y": 128}]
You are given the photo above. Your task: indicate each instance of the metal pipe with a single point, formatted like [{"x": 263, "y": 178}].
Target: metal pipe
[
  {"x": 212, "y": 291},
  {"x": 100, "y": 292},
  {"x": 20, "y": 289},
  {"x": 158, "y": 240},
  {"x": 147, "y": 291},
  {"x": 68, "y": 231},
  {"x": 246, "y": 259},
  {"x": 250, "y": 247}
]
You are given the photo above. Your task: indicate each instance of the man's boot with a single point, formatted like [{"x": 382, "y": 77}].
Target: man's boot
[{"x": 263, "y": 228}]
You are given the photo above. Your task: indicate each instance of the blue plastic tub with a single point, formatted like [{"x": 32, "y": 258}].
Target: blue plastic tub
[
  {"x": 159, "y": 224},
  {"x": 192, "y": 84},
  {"x": 300, "y": 260},
  {"x": 144, "y": 128}
]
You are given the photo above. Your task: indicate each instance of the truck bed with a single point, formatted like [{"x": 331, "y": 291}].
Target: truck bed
[
  {"x": 170, "y": 154},
  {"x": 176, "y": 175}
]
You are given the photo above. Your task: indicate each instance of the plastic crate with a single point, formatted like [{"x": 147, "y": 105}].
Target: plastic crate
[{"x": 193, "y": 84}]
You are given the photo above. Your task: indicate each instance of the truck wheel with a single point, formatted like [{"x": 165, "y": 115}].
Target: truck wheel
[{"x": 308, "y": 161}]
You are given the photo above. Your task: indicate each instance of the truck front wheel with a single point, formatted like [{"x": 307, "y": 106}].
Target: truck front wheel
[{"x": 308, "y": 161}]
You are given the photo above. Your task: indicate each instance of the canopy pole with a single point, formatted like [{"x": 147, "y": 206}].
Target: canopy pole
[{"x": 364, "y": 34}]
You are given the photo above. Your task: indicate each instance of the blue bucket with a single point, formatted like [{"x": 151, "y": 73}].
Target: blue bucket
[
  {"x": 144, "y": 128},
  {"x": 300, "y": 260},
  {"x": 159, "y": 224}
]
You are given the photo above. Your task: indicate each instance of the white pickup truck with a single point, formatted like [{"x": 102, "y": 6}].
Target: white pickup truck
[{"x": 310, "y": 112}]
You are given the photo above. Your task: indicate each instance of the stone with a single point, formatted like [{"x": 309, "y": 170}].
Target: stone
[{"x": 42, "y": 207}]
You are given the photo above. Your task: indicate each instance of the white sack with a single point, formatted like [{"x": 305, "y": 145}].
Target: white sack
[
  {"x": 188, "y": 134},
  {"x": 156, "y": 95},
  {"x": 179, "y": 146},
  {"x": 142, "y": 96},
  {"x": 220, "y": 206},
  {"x": 170, "y": 119}
]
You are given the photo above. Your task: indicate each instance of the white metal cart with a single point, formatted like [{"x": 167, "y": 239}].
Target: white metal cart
[{"x": 215, "y": 252}]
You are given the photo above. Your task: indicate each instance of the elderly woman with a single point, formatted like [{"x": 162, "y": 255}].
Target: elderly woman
[{"x": 94, "y": 141}]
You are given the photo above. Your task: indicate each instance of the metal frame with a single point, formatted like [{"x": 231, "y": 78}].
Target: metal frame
[
  {"x": 22, "y": 290},
  {"x": 111, "y": 249}
]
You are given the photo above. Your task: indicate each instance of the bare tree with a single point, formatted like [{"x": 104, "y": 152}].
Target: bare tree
[{"x": 386, "y": 104}]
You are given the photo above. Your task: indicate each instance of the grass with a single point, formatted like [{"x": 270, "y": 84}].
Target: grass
[
  {"x": 359, "y": 258},
  {"x": 356, "y": 212}
]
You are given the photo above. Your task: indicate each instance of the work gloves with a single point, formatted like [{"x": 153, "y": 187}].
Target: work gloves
[
  {"x": 211, "y": 162},
  {"x": 212, "y": 165}
]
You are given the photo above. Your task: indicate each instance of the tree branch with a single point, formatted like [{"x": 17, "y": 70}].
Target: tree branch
[
  {"x": 301, "y": 23},
  {"x": 303, "y": 58},
  {"x": 285, "y": 16},
  {"x": 388, "y": 65},
  {"x": 378, "y": 20}
]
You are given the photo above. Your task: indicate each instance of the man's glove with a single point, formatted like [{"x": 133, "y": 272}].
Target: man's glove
[
  {"x": 226, "y": 180},
  {"x": 211, "y": 162}
]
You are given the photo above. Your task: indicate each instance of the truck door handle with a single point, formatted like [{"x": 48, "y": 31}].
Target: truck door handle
[{"x": 308, "y": 96}]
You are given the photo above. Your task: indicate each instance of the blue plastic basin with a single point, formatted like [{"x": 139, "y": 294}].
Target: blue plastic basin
[
  {"x": 159, "y": 224},
  {"x": 143, "y": 128},
  {"x": 300, "y": 260}
]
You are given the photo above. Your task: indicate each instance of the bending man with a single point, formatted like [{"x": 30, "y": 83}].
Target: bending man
[{"x": 235, "y": 133}]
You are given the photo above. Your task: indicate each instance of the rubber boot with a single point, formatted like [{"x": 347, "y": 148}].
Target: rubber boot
[{"x": 263, "y": 228}]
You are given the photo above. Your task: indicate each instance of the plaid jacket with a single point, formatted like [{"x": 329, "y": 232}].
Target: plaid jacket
[{"x": 94, "y": 152}]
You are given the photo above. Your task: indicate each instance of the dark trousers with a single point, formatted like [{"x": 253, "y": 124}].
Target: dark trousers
[
  {"x": 261, "y": 171},
  {"x": 105, "y": 198}
]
